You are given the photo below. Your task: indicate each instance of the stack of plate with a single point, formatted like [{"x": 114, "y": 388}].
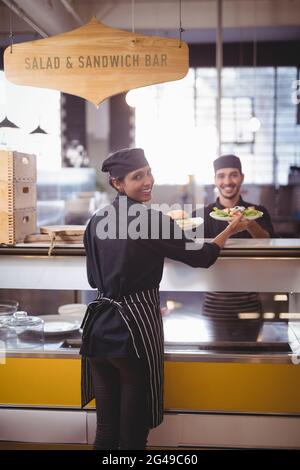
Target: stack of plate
[
  {"x": 60, "y": 325},
  {"x": 75, "y": 310},
  {"x": 228, "y": 305}
]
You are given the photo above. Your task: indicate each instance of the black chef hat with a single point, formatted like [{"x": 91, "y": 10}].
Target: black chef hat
[
  {"x": 119, "y": 163},
  {"x": 227, "y": 161}
]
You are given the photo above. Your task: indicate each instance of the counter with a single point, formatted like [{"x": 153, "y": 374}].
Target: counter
[
  {"x": 253, "y": 393},
  {"x": 242, "y": 341},
  {"x": 275, "y": 264}
]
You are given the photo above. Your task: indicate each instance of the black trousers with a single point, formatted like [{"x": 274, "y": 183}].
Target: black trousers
[{"x": 120, "y": 388}]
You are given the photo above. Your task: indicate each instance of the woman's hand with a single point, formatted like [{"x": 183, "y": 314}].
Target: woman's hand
[
  {"x": 239, "y": 224},
  {"x": 234, "y": 226}
]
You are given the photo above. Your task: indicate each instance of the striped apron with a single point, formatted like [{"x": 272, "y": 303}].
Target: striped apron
[
  {"x": 229, "y": 305},
  {"x": 141, "y": 314}
]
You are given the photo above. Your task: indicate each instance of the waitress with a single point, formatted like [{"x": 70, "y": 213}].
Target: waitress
[{"x": 122, "y": 344}]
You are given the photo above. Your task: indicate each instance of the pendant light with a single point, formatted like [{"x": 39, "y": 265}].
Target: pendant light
[
  {"x": 254, "y": 123},
  {"x": 38, "y": 130},
  {"x": 6, "y": 123}
]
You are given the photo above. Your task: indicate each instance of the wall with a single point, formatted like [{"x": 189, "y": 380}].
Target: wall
[{"x": 97, "y": 137}]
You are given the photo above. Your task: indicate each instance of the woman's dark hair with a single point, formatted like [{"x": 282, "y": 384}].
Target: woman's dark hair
[{"x": 111, "y": 178}]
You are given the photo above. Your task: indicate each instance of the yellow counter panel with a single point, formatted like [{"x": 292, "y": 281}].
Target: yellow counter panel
[
  {"x": 257, "y": 388},
  {"x": 40, "y": 382},
  {"x": 237, "y": 387}
]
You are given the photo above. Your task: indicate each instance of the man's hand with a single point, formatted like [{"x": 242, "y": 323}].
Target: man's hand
[
  {"x": 255, "y": 230},
  {"x": 238, "y": 224}
]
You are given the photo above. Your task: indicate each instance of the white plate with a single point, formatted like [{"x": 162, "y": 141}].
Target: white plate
[
  {"x": 228, "y": 219},
  {"x": 60, "y": 327},
  {"x": 187, "y": 224}
]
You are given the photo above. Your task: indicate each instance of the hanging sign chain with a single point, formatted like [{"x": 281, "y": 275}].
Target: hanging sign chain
[
  {"x": 11, "y": 34},
  {"x": 132, "y": 16},
  {"x": 254, "y": 53},
  {"x": 181, "y": 30}
]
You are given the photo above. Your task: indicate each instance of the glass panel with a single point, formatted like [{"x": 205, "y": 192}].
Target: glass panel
[
  {"x": 287, "y": 129},
  {"x": 188, "y": 322},
  {"x": 182, "y": 119},
  {"x": 28, "y": 108}
]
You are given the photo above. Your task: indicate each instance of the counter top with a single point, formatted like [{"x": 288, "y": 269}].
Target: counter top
[
  {"x": 261, "y": 243},
  {"x": 274, "y": 247},
  {"x": 234, "y": 247},
  {"x": 242, "y": 341},
  {"x": 264, "y": 266}
]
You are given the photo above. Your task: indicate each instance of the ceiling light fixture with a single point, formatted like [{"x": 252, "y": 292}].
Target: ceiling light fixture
[
  {"x": 254, "y": 123},
  {"x": 6, "y": 123},
  {"x": 38, "y": 130}
]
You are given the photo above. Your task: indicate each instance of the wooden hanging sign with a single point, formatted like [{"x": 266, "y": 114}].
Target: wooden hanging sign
[{"x": 96, "y": 61}]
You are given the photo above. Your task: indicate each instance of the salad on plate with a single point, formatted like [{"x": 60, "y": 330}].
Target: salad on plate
[{"x": 227, "y": 214}]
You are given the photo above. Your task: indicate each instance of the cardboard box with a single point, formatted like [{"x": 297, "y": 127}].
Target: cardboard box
[
  {"x": 16, "y": 225},
  {"x": 16, "y": 166},
  {"x": 17, "y": 195}
]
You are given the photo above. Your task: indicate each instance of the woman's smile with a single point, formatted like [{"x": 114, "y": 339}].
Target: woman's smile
[{"x": 138, "y": 184}]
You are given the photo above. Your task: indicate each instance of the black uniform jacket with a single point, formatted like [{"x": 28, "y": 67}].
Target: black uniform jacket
[
  {"x": 119, "y": 267},
  {"x": 233, "y": 302},
  {"x": 213, "y": 227}
]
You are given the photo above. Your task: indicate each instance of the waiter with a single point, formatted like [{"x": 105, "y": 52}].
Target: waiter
[
  {"x": 122, "y": 342},
  {"x": 229, "y": 179}
]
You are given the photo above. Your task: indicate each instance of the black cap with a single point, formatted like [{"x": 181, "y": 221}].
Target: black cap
[
  {"x": 227, "y": 161},
  {"x": 119, "y": 163}
]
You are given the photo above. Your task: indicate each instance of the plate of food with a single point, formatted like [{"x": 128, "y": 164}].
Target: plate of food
[
  {"x": 182, "y": 219},
  {"x": 189, "y": 223},
  {"x": 227, "y": 214}
]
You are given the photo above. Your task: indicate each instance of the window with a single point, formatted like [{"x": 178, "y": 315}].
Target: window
[
  {"x": 236, "y": 113},
  {"x": 176, "y": 124},
  {"x": 164, "y": 123},
  {"x": 29, "y": 107}
]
